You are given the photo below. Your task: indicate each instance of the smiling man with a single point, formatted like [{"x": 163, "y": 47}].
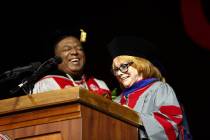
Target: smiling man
[
  {"x": 71, "y": 51},
  {"x": 70, "y": 72}
]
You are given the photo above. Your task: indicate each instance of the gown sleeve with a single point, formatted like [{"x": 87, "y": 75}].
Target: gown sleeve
[{"x": 161, "y": 114}]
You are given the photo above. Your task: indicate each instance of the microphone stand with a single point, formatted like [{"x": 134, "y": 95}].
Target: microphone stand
[
  {"x": 30, "y": 81},
  {"x": 14, "y": 73}
]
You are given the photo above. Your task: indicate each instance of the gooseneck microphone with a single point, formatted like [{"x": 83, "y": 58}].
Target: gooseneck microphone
[
  {"x": 44, "y": 67},
  {"x": 48, "y": 65},
  {"x": 30, "y": 67},
  {"x": 14, "y": 73}
]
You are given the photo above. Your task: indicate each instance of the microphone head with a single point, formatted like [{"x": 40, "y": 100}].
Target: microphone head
[
  {"x": 54, "y": 60},
  {"x": 58, "y": 59}
]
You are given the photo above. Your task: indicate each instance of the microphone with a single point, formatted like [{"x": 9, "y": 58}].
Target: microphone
[
  {"x": 30, "y": 67},
  {"x": 39, "y": 72},
  {"x": 48, "y": 65},
  {"x": 11, "y": 74},
  {"x": 51, "y": 62}
]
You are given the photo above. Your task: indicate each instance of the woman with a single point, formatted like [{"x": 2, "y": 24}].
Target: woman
[{"x": 145, "y": 91}]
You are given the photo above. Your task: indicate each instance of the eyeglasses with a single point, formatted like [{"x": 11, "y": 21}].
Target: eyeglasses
[{"x": 123, "y": 68}]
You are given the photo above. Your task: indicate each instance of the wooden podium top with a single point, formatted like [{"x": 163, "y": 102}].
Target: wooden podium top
[{"x": 69, "y": 96}]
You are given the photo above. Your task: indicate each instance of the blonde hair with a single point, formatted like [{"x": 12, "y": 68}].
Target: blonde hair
[{"x": 143, "y": 66}]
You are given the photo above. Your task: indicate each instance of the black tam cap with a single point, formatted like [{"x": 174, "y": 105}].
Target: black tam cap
[
  {"x": 78, "y": 32},
  {"x": 56, "y": 33},
  {"x": 133, "y": 46}
]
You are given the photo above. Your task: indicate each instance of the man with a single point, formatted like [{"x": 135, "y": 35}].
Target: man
[{"x": 70, "y": 72}]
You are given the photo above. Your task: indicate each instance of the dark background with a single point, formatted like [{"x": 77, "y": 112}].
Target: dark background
[{"x": 27, "y": 32}]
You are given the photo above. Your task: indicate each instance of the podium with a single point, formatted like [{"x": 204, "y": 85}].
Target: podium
[{"x": 68, "y": 114}]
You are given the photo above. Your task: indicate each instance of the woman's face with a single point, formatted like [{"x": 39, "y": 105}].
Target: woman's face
[{"x": 129, "y": 75}]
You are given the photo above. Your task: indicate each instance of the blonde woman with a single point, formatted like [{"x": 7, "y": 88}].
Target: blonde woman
[{"x": 145, "y": 91}]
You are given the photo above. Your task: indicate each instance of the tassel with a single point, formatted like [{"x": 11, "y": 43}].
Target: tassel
[{"x": 83, "y": 35}]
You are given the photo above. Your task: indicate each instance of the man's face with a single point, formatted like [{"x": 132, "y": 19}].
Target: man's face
[{"x": 71, "y": 51}]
